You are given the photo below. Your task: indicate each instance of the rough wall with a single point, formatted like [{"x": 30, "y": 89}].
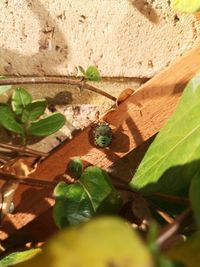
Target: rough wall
[{"x": 130, "y": 38}]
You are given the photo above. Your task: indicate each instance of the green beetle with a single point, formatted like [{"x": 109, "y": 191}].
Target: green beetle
[{"x": 102, "y": 134}]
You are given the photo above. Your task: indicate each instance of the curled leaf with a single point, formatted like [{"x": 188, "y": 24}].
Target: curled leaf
[
  {"x": 75, "y": 167},
  {"x": 124, "y": 95}
]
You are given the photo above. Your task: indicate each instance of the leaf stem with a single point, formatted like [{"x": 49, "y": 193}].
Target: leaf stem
[{"x": 55, "y": 80}]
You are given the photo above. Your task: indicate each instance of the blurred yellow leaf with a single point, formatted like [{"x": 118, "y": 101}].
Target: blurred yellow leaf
[
  {"x": 188, "y": 6},
  {"x": 103, "y": 242}
]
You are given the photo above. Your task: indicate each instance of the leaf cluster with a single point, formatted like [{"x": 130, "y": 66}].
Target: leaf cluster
[
  {"x": 23, "y": 116},
  {"x": 92, "y": 194}
]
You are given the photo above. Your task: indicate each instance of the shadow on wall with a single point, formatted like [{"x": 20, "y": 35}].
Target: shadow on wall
[
  {"x": 52, "y": 48},
  {"x": 146, "y": 10}
]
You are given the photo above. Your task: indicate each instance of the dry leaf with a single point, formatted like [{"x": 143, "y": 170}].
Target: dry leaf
[
  {"x": 124, "y": 95},
  {"x": 22, "y": 167}
]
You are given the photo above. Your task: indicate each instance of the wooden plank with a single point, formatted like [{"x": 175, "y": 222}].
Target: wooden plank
[{"x": 137, "y": 119}]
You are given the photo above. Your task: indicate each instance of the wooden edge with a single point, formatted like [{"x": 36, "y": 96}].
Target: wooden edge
[{"x": 136, "y": 120}]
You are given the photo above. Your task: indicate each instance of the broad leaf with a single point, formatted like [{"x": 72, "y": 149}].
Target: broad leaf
[
  {"x": 75, "y": 167},
  {"x": 18, "y": 257},
  {"x": 195, "y": 197},
  {"x": 188, "y": 6},
  {"x": 4, "y": 88},
  {"x": 97, "y": 184},
  {"x": 93, "y": 194},
  {"x": 73, "y": 205},
  {"x": 188, "y": 252},
  {"x": 33, "y": 111},
  {"x": 92, "y": 74},
  {"x": 47, "y": 126},
  {"x": 8, "y": 121},
  {"x": 111, "y": 204},
  {"x": 174, "y": 156},
  {"x": 20, "y": 99},
  {"x": 101, "y": 242}
]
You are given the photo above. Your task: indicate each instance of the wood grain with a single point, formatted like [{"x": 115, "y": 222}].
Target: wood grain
[{"x": 136, "y": 120}]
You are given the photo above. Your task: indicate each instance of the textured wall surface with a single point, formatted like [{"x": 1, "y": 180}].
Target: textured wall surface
[{"x": 130, "y": 38}]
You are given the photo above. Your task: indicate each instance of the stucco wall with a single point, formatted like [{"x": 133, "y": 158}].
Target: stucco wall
[{"x": 130, "y": 38}]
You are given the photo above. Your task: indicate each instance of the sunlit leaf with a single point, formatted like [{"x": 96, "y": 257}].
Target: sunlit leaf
[
  {"x": 174, "y": 156},
  {"x": 18, "y": 257},
  {"x": 188, "y": 6},
  {"x": 8, "y": 121},
  {"x": 20, "y": 99},
  {"x": 99, "y": 243},
  {"x": 33, "y": 111},
  {"x": 47, "y": 126}
]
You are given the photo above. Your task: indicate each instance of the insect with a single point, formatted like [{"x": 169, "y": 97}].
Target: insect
[{"x": 102, "y": 134}]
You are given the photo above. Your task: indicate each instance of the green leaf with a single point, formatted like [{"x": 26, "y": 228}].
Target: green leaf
[
  {"x": 93, "y": 194},
  {"x": 4, "y": 88},
  {"x": 97, "y": 184},
  {"x": 47, "y": 126},
  {"x": 174, "y": 156},
  {"x": 20, "y": 99},
  {"x": 33, "y": 111},
  {"x": 188, "y": 6},
  {"x": 8, "y": 121},
  {"x": 111, "y": 204},
  {"x": 92, "y": 74},
  {"x": 195, "y": 197},
  {"x": 18, "y": 257},
  {"x": 75, "y": 167},
  {"x": 73, "y": 205},
  {"x": 101, "y": 242},
  {"x": 187, "y": 252}
]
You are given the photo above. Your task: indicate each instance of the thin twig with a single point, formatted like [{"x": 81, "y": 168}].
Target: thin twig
[
  {"x": 175, "y": 227},
  {"x": 27, "y": 181},
  {"x": 55, "y": 80},
  {"x": 23, "y": 150},
  {"x": 172, "y": 198}
]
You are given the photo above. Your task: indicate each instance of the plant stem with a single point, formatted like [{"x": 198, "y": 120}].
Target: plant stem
[
  {"x": 23, "y": 150},
  {"x": 55, "y": 80},
  {"x": 170, "y": 230},
  {"x": 27, "y": 181},
  {"x": 172, "y": 198}
]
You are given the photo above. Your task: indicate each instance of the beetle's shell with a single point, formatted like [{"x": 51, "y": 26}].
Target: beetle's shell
[{"x": 102, "y": 135}]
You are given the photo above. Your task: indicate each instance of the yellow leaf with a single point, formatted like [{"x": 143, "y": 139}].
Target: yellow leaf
[{"x": 102, "y": 242}]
